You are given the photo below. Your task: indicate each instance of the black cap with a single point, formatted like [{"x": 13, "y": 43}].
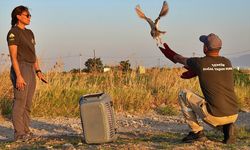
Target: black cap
[{"x": 212, "y": 41}]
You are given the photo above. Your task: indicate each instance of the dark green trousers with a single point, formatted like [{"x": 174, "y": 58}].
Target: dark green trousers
[{"x": 23, "y": 98}]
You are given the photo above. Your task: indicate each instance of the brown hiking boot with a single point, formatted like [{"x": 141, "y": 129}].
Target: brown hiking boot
[
  {"x": 229, "y": 131},
  {"x": 199, "y": 136}
]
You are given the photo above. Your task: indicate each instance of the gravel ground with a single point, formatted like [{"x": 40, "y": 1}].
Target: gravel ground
[{"x": 126, "y": 123}]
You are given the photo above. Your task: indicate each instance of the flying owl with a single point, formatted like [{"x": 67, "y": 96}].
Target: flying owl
[{"x": 155, "y": 32}]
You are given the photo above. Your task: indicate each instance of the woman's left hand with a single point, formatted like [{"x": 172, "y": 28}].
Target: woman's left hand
[{"x": 41, "y": 77}]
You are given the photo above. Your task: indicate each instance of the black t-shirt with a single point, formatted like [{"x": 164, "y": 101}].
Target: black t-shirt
[
  {"x": 216, "y": 82},
  {"x": 25, "y": 41}
]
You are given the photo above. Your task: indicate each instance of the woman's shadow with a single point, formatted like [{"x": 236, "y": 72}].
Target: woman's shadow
[{"x": 43, "y": 129}]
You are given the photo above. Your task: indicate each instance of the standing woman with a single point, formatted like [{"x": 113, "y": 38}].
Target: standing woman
[{"x": 23, "y": 72}]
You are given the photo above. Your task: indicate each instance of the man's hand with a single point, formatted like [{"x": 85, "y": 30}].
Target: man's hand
[
  {"x": 188, "y": 74},
  {"x": 170, "y": 54}
]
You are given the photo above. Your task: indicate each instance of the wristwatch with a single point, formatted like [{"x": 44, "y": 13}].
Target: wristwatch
[{"x": 38, "y": 71}]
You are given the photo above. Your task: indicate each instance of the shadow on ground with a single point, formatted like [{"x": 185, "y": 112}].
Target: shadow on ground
[{"x": 6, "y": 133}]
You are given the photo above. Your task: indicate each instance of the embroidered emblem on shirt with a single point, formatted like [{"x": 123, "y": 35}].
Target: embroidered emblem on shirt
[{"x": 11, "y": 37}]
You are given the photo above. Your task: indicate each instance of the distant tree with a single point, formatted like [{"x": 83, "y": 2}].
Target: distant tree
[
  {"x": 94, "y": 65},
  {"x": 74, "y": 70},
  {"x": 125, "y": 66},
  {"x": 84, "y": 70}
]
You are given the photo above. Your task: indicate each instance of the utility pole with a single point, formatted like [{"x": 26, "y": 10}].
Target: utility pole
[
  {"x": 94, "y": 53},
  {"x": 80, "y": 63},
  {"x": 159, "y": 62},
  {"x": 94, "y": 61}
]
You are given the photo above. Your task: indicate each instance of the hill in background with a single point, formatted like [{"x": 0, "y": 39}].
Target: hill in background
[{"x": 241, "y": 61}]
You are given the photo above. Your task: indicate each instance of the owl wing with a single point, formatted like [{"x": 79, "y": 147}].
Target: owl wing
[
  {"x": 164, "y": 9},
  {"x": 140, "y": 12}
]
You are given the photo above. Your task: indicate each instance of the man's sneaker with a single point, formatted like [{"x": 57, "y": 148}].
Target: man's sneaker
[
  {"x": 229, "y": 131},
  {"x": 199, "y": 136}
]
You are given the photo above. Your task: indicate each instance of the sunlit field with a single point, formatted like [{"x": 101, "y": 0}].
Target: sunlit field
[{"x": 131, "y": 92}]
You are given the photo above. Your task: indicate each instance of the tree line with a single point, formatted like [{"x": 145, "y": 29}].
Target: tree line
[{"x": 96, "y": 65}]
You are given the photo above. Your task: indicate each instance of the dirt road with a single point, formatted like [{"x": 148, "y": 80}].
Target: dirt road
[{"x": 129, "y": 127}]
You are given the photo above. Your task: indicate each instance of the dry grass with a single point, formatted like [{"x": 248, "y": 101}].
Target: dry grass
[{"x": 131, "y": 92}]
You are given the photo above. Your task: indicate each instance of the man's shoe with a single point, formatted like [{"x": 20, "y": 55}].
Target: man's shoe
[
  {"x": 199, "y": 136},
  {"x": 229, "y": 131}
]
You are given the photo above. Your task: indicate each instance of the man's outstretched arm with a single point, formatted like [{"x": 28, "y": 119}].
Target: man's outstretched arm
[
  {"x": 180, "y": 59},
  {"x": 172, "y": 55},
  {"x": 177, "y": 58}
]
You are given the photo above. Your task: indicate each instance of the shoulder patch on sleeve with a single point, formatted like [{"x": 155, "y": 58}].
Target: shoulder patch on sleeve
[{"x": 11, "y": 37}]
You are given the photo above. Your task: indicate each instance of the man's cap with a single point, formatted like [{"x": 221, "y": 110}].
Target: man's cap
[{"x": 212, "y": 41}]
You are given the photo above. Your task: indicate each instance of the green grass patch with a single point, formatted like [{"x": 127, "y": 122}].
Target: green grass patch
[
  {"x": 6, "y": 106},
  {"x": 241, "y": 78},
  {"x": 167, "y": 111}
]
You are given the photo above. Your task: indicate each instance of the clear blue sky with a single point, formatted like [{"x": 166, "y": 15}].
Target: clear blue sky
[{"x": 65, "y": 28}]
